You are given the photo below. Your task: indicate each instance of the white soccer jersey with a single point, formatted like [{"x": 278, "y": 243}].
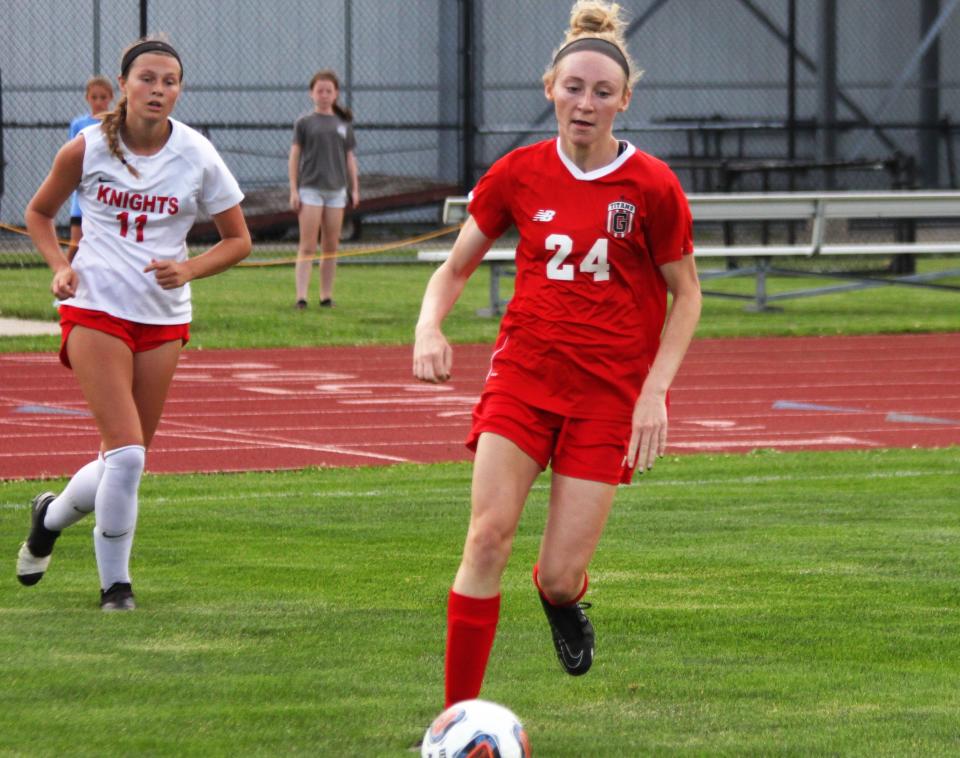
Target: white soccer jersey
[{"x": 127, "y": 221}]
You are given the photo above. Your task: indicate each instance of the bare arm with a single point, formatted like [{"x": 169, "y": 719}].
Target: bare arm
[
  {"x": 353, "y": 178},
  {"x": 432, "y": 355},
  {"x": 293, "y": 169},
  {"x": 63, "y": 179},
  {"x": 233, "y": 247},
  {"x": 648, "y": 438}
]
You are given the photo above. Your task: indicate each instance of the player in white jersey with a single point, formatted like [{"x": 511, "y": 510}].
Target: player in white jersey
[{"x": 125, "y": 307}]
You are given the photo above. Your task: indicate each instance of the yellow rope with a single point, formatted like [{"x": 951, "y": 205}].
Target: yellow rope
[
  {"x": 359, "y": 251},
  {"x": 285, "y": 261},
  {"x": 25, "y": 233}
]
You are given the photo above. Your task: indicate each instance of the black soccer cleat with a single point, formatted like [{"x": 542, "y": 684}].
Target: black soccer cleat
[
  {"x": 573, "y": 635},
  {"x": 118, "y": 598},
  {"x": 34, "y": 556}
]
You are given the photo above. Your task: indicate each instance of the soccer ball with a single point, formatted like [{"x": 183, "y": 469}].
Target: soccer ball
[{"x": 476, "y": 729}]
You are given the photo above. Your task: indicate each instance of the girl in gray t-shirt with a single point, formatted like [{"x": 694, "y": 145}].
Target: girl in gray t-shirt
[{"x": 323, "y": 180}]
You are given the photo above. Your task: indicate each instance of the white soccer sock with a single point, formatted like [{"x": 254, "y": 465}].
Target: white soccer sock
[
  {"x": 116, "y": 509},
  {"x": 77, "y": 498}
]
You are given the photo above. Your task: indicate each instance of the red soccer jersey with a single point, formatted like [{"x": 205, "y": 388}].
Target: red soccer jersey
[{"x": 589, "y": 301}]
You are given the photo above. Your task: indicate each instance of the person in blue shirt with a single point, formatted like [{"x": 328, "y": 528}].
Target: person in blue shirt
[{"x": 99, "y": 95}]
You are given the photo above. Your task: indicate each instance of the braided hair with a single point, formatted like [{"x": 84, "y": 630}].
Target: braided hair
[{"x": 110, "y": 125}]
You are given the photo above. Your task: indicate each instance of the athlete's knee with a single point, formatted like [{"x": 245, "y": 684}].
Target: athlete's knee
[
  {"x": 560, "y": 584},
  {"x": 487, "y": 547},
  {"x": 116, "y": 501},
  {"x": 125, "y": 464}
]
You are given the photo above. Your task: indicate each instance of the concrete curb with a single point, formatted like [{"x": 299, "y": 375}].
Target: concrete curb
[{"x": 14, "y": 327}]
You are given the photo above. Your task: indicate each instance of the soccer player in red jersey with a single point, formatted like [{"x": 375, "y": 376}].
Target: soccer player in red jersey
[{"x": 587, "y": 348}]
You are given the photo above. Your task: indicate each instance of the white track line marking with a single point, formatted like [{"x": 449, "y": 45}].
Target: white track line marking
[
  {"x": 196, "y": 431},
  {"x": 723, "y": 444}
]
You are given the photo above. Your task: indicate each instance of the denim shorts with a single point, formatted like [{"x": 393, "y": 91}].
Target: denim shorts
[{"x": 329, "y": 198}]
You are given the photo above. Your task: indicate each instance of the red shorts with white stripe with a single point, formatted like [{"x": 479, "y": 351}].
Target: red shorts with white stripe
[
  {"x": 582, "y": 448},
  {"x": 138, "y": 337}
]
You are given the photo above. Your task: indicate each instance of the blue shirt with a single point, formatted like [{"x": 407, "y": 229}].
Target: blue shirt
[{"x": 75, "y": 126}]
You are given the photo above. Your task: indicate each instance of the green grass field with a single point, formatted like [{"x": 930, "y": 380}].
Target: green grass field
[
  {"x": 795, "y": 604},
  {"x": 765, "y": 604}
]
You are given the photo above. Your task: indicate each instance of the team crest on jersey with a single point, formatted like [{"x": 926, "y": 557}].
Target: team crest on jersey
[{"x": 620, "y": 218}]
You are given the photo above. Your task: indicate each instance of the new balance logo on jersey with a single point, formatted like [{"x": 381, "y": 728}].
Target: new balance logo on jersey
[{"x": 544, "y": 215}]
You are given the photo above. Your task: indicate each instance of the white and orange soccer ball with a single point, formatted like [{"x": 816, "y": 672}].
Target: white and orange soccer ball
[{"x": 476, "y": 729}]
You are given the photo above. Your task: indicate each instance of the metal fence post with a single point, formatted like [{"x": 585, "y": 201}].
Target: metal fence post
[
  {"x": 3, "y": 162},
  {"x": 468, "y": 128}
]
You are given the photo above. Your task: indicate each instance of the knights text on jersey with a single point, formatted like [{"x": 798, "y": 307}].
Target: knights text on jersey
[
  {"x": 128, "y": 220},
  {"x": 589, "y": 301}
]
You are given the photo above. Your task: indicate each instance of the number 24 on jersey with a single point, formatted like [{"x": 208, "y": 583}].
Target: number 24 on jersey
[{"x": 595, "y": 261}]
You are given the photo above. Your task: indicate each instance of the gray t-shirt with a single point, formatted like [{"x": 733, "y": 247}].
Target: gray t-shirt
[{"x": 324, "y": 143}]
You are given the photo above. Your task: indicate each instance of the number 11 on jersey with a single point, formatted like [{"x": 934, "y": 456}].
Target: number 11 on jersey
[{"x": 139, "y": 222}]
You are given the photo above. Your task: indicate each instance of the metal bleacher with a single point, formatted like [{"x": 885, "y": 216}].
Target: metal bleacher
[{"x": 812, "y": 210}]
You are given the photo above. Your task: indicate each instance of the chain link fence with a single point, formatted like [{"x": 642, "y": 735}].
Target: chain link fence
[{"x": 737, "y": 95}]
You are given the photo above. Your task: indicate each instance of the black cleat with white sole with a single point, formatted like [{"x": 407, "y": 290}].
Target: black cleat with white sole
[
  {"x": 573, "y": 635},
  {"x": 34, "y": 556}
]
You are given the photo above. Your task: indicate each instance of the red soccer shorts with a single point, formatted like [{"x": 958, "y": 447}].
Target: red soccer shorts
[
  {"x": 582, "y": 448},
  {"x": 138, "y": 337}
]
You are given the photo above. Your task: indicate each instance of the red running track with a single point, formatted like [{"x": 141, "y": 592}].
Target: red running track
[{"x": 239, "y": 410}]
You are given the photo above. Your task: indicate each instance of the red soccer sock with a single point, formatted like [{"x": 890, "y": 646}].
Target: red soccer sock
[
  {"x": 471, "y": 626},
  {"x": 536, "y": 581}
]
